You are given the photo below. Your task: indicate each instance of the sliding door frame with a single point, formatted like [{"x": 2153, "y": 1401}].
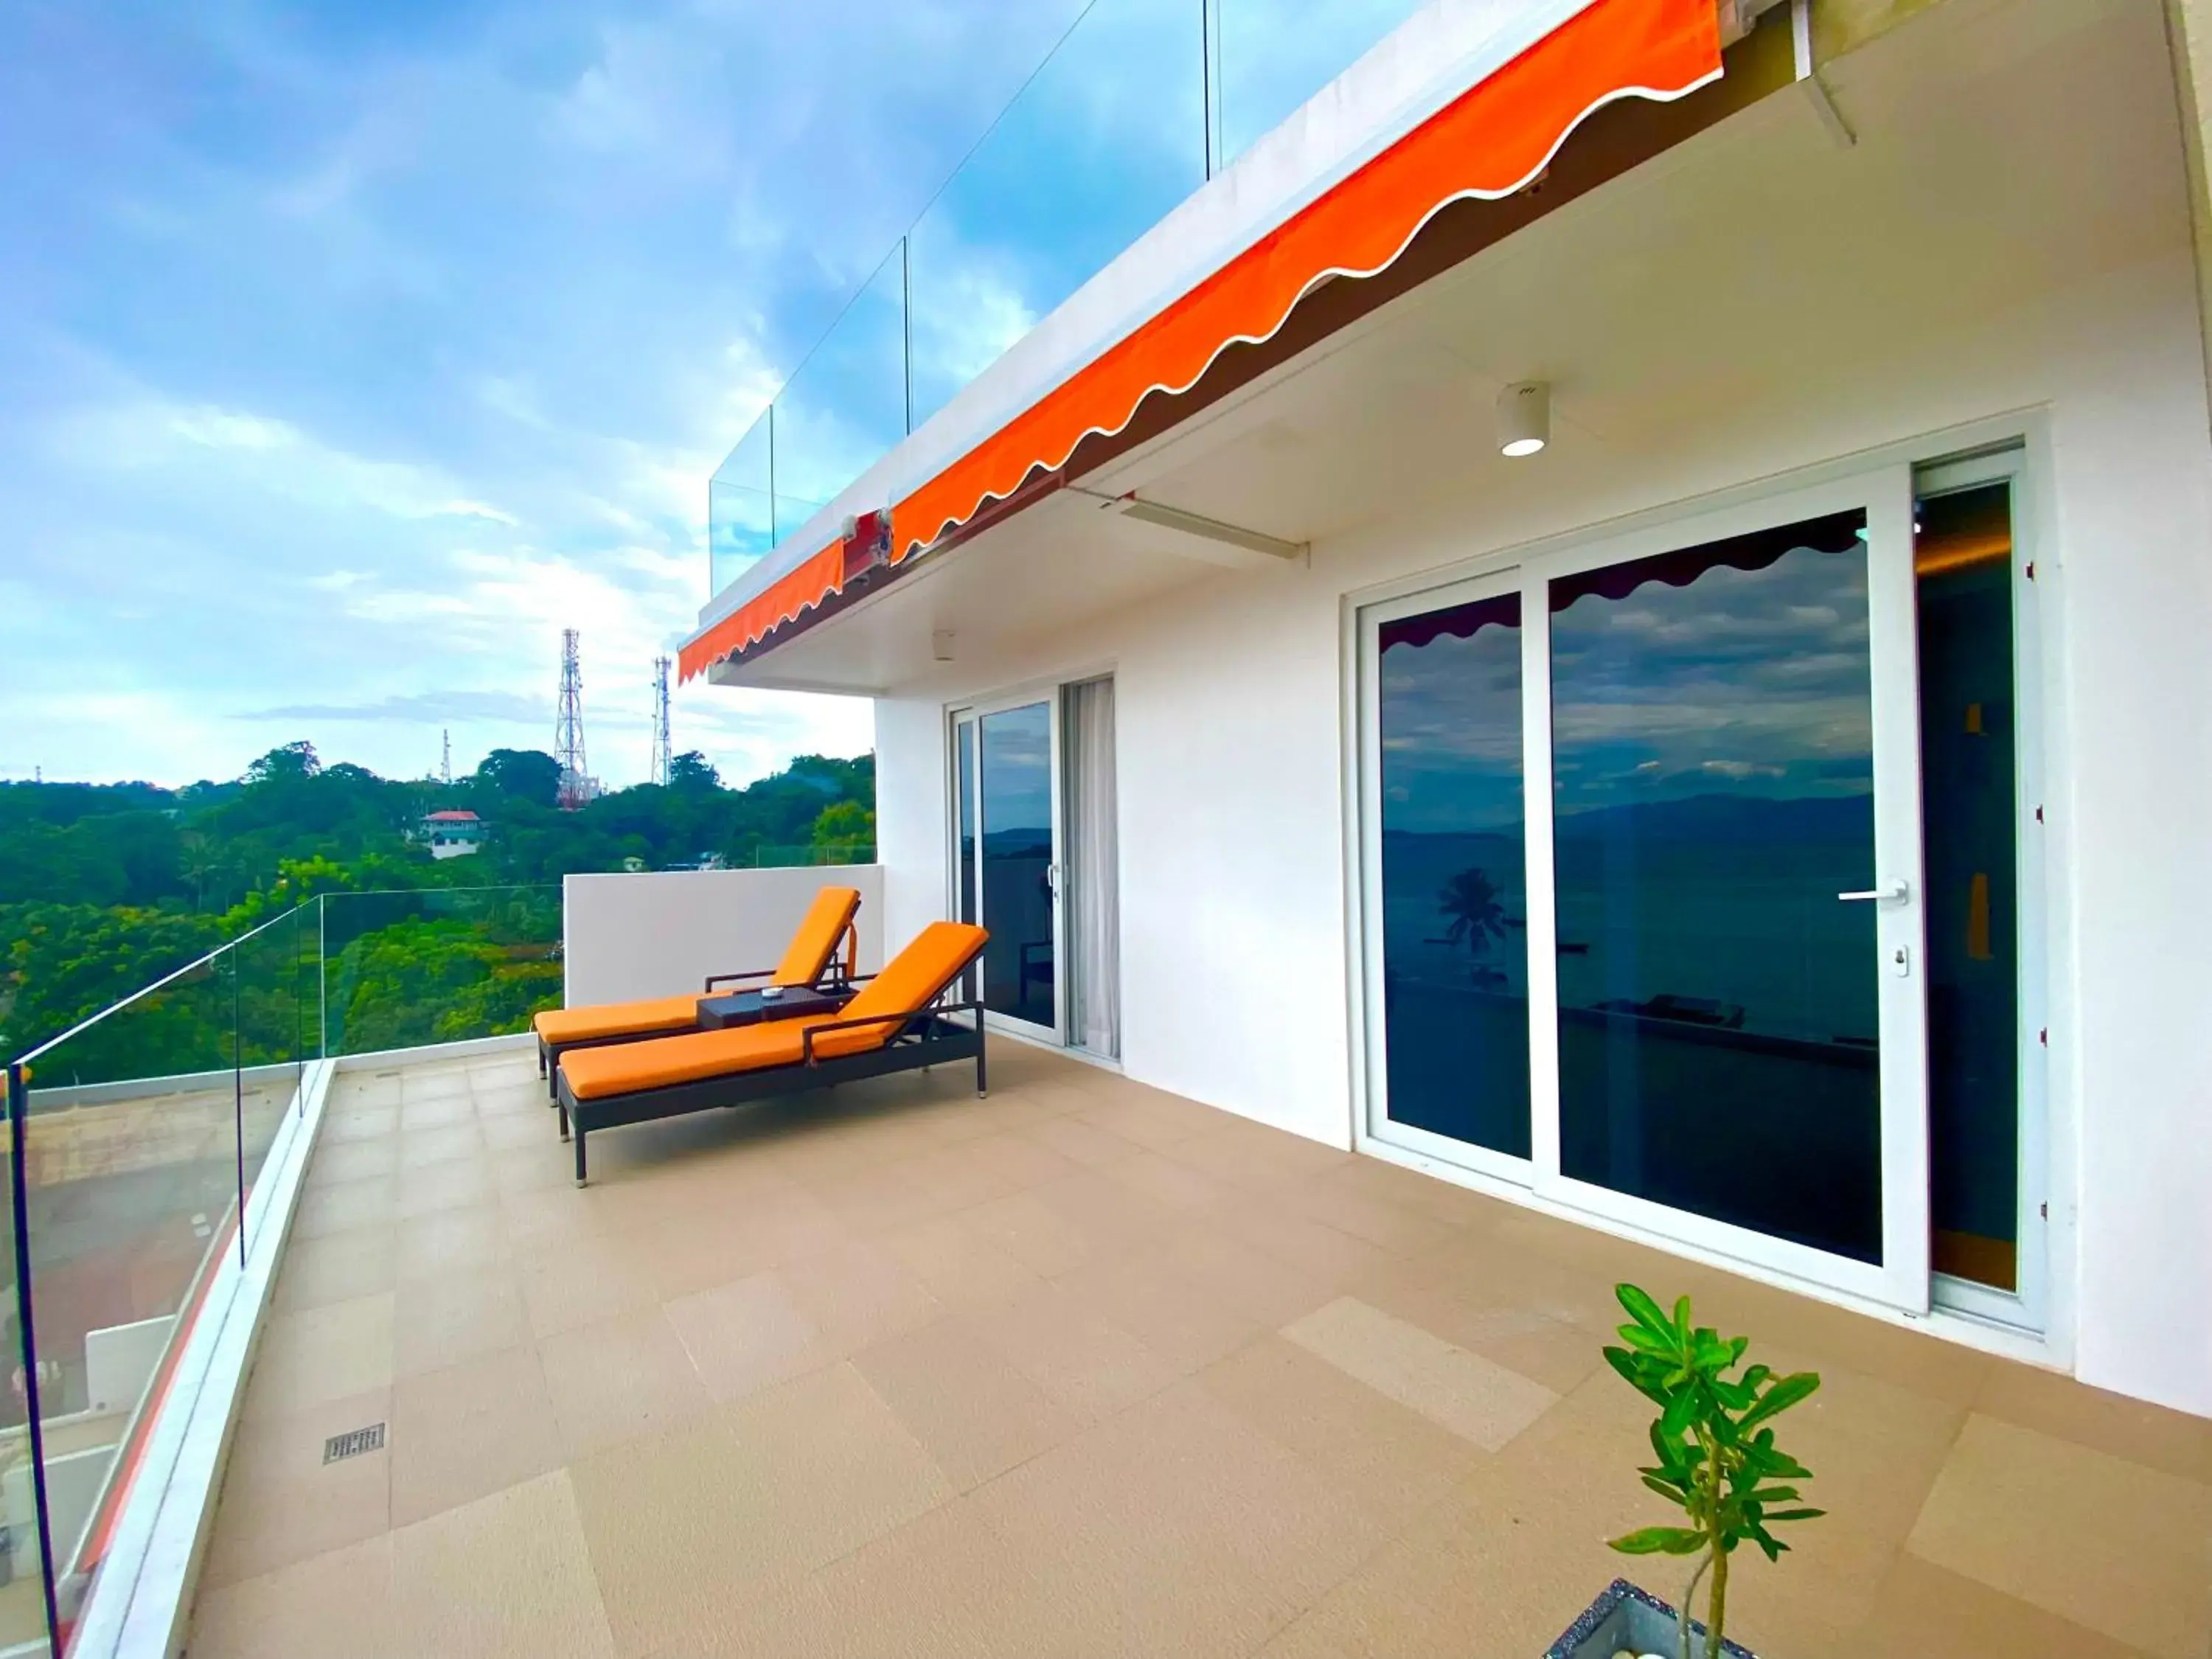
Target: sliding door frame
[
  {"x": 974, "y": 711},
  {"x": 1374, "y": 1049},
  {"x": 2028, "y": 1306},
  {"x": 1884, "y": 492}
]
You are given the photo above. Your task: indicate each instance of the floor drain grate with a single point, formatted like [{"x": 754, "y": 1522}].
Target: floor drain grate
[{"x": 353, "y": 1443}]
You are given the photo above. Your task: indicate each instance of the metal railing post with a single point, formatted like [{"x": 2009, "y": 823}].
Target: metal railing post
[
  {"x": 238, "y": 1096},
  {"x": 1209, "y": 50},
  {"x": 323, "y": 975},
  {"x": 18, "y": 1113},
  {"x": 299, "y": 1023}
]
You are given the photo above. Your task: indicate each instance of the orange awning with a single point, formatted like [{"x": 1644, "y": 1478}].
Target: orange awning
[{"x": 1490, "y": 141}]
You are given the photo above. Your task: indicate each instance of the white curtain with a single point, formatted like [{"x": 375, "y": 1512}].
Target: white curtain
[{"x": 1094, "y": 912}]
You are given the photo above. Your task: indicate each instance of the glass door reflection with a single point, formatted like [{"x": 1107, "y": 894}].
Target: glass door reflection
[
  {"x": 1713, "y": 780},
  {"x": 1454, "y": 873},
  {"x": 1018, "y": 862},
  {"x": 963, "y": 907},
  {"x": 1964, "y": 571}
]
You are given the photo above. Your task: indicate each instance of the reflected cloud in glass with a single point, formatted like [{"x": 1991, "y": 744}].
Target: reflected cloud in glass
[{"x": 1712, "y": 774}]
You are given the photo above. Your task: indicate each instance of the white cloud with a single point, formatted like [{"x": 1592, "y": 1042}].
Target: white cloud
[
  {"x": 428, "y": 350},
  {"x": 219, "y": 429},
  {"x": 422, "y": 708},
  {"x": 966, "y": 322},
  {"x": 258, "y": 453},
  {"x": 476, "y": 510}
]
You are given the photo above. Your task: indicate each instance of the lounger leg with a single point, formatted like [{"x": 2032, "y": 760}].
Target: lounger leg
[
  {"x": 564, "y": 1110},
  {"x": 580, "y": 1156},
  {"x": 982, "y": 1082}
]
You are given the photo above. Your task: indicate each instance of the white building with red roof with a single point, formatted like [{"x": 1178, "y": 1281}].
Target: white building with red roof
[{"x": 452, "y": 833}]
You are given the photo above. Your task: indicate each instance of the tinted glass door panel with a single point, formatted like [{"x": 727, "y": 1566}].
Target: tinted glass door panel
[
  {"x": 1455, "y": 904},
  {"x": 964, "y": 819},
  {"x": 1713, "y": 766},
  {"x": 1963, "y": 574},
  {"x": 1014, "y": 763}
]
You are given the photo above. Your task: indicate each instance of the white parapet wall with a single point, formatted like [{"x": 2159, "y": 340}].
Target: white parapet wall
[{"x": 661, "y": 934}]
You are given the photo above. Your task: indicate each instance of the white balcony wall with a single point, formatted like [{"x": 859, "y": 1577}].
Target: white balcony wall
[
  {"x": 661, "y": 934},
  {"x": 1236, "y": 838}
]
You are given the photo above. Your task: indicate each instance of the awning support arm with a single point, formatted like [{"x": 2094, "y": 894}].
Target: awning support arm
[{"x": 1197, "y": 524}]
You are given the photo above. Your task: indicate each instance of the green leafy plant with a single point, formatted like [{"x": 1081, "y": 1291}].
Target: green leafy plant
[{"x": 1717, "y": 1459}]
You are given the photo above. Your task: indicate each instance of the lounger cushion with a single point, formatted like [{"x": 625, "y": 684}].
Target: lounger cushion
[
  {"x": 811, "y": 946},
  {"x": 560, "y": 1026},
  {"x": 911, "y": 980},
  {"x": 625, "y": 1069},
  {"x": 816, "y": 941}
]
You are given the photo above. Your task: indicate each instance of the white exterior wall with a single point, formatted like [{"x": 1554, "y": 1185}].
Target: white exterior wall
[
  {"x": 1235, "y": 836},
  {"x": 2132, "y": 1001},
  {"x": 627, "y": 937}
]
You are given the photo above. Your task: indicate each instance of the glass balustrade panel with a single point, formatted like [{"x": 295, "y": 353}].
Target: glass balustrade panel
[
  {"x": 404, "y": 969},
  {"x": 276, "y": 1030},
  {"x": 847, "y": 406},
  {"x": 1106, "y": 139},
  {"x": 131, "y": 1157},
  {"x": 740, "y": 508},
  {"x": 1275, "y": 55}
]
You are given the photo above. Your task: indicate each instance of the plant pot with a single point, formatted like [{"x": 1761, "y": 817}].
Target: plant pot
[{"x": 1627, "y": 1618}]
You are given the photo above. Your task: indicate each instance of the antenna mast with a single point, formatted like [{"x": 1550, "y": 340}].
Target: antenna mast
[
  {"x": 446, "y": 757},
  {"x": 660, "y": 741},
  {"x": 576, "y": 786}
]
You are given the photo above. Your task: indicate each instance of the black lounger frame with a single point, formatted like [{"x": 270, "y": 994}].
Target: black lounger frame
[
  {"x": 832, "y": 979},
  {"x": 926, "y": 1038}
]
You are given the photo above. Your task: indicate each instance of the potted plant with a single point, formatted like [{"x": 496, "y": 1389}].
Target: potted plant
[{"x": 1717, "y": 1462}]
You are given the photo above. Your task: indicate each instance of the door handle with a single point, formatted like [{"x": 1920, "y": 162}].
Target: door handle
[{"x": 1892, "y": 891}]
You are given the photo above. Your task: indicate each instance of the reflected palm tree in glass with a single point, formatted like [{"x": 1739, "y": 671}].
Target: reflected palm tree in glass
[{"x": 1475, "y": 916}]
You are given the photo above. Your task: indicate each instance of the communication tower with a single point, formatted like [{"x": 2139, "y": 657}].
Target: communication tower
[
  {"x": 660, "y": 741},
  {"x": 576, "y": 784}
]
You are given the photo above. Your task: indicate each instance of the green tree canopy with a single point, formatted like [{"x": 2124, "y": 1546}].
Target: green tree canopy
[
  {"x": 691, "y": 770},
  {"x": 524, "y": 774},
  {"x": 289, "y": 762},
  {"x": 844, "y": 823},
  {"x": 104, "y": 888}
]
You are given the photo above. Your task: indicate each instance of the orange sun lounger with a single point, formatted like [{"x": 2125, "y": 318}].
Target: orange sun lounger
[
  {"x": 899, "y": 1022},
  {"x": 812, "y": 954}
]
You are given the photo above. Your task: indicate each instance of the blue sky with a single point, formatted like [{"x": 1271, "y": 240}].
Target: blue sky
[{"x": 349, "y": 351}]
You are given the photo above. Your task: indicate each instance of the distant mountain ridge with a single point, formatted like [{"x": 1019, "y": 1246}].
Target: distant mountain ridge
[{"x": 1709, "y": 819}]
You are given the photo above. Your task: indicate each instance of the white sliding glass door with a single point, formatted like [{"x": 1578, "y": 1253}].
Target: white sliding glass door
[
  {"x": 1447, "y": 875},
  {"x": 1982, "y": 807},
  {"x": 1642, "y": 870},
  {"x": 1006, "y": 863}
]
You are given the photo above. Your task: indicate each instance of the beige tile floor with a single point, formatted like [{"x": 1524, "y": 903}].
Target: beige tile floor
[{"x": 1083, "y": 1368}]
